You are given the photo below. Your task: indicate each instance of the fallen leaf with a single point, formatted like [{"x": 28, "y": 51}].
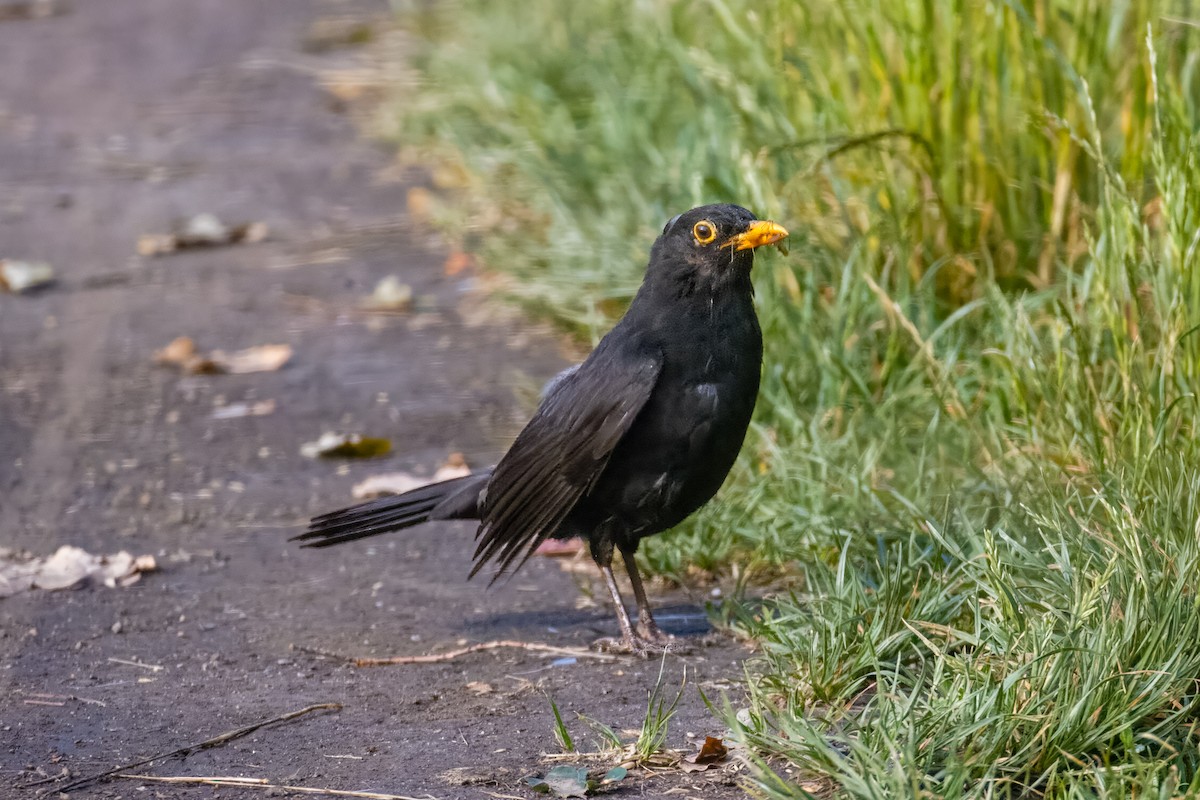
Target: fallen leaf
[
  {"x": 182, "y": 352},
  {"x": 237, "y": 410},
  {"x": 712, "y": 753},
  {"x": 179, "y": 351},
  {"x": 420, "y": 204},
  {"x": 71, "y": 566},
  {"x": 456, "y": 262},
  {"x": 454, "y": 467},
  {"x": 32, "y": 9},
  {"x": 480, "y": 688},
  {"x": 201, "y": 230},
  {"x": 387, "y": 483},
  {"x": 249, "y": 233},
  {"x": 156, "y": 244},
  {"x": 401, "y": 482},
  {"x": 263, "y": 358},
  {"x": 340, "y": 445},
  {"x": 390, "y": 295},
  {"x": 24, "y": 276}
]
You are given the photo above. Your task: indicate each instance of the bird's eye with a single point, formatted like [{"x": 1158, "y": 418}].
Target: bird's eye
[{"x": 704, "y": 231}]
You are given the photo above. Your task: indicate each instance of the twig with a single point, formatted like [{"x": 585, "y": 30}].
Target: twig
[
  {"x": 216, "y": 741},
  {"x": 142, "y": 664},
  {"x": 450, "y": 655},
  {"x": 262, "y": 783}
]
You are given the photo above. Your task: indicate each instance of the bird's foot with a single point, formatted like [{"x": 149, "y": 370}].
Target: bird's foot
[
  {"x": 642, "y": 647},
  {"x": 648, "y": 629}
]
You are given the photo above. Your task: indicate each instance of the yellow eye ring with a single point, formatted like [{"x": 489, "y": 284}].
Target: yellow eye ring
[{"x": 704, "y": 232}]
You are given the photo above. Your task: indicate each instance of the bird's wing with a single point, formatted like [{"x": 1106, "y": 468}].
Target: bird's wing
[{"x": 559, "y": 455}]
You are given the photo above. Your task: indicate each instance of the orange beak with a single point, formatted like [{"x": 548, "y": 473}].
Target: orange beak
[{"x": 759, "y": 233}]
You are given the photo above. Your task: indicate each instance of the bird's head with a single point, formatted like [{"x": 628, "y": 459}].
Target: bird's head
[{"x": 711, "y": 246}]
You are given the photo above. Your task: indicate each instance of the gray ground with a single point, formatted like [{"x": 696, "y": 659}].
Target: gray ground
[{"x": 116, "y": 117}]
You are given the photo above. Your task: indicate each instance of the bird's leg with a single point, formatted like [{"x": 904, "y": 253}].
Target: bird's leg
[
  {"x": 630, "y": 638},
  {"x": 646, "y": 626}
]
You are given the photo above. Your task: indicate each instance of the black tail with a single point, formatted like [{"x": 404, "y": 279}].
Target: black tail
[{"x": 457, "y": 498}]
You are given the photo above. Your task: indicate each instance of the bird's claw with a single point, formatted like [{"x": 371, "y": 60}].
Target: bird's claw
[
  {"x": 649, "y": 631},
  {"x": 641, "y": 647}
]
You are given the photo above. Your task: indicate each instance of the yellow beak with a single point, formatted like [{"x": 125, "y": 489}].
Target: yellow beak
[{"x": 759, "y": 233}]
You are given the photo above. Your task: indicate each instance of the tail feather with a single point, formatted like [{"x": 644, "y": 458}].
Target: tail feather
[{"x": 395, "y": 512}]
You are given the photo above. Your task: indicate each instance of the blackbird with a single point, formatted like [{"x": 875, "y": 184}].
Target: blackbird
[{"x": 628, "y": 443}]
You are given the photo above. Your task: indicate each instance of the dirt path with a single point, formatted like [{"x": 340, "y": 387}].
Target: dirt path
[{"x": 115, "y": 118}]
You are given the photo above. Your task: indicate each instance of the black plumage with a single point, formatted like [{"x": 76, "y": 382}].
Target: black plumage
[{"x": 631, "y": 441}]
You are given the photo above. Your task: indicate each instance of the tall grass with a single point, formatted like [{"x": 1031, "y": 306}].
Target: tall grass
[{"x": 975, "y": 449}]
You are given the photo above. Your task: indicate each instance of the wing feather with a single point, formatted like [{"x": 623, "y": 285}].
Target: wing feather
[{"x": 561, "y": 454}]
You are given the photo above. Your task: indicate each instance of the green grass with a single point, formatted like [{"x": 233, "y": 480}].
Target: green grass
[{"x": 975, "y": 452}]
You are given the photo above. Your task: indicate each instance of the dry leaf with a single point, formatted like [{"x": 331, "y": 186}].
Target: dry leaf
[
  {"x": 456, "y": 262},
  {"x": 263, "y": 358},
  {"x": 712, "y": 753},
  {"x": 387, "y": 483},
  {"x": 390, "y": 295},
  {"x": 32, "y": 9},
  {"x": 70, "y": 566},
  {"x": 455, "y": 467},
  {"x": 238, "y": 410},
  {"x": 201, "y": 230},
  {"x": 183, "y": 353},
  {"x": 420, "y": 204},
  {"x": 340, "y": 445},
  {"x": 479, "y": 688},
  {"x": 156, "y": 244},
  {"x": 179, "y": 352},
  {"x": 24, "y": 276},
  {"x": 401, "y": 482}
]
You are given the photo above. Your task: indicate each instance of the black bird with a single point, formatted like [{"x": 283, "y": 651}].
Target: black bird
[{"x": 628, "y": 443}]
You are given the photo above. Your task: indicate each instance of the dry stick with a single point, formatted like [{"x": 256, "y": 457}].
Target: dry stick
[
  {"x": 261, "y": 783},
  {"x": 450, "y": 655},
  {"x": 216, "y": 741}
]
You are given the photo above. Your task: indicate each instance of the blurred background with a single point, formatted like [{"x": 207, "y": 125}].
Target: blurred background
[{"x": 970, "y": 492}]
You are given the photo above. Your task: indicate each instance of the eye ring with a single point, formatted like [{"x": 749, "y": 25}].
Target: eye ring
[{"x": 704, "y": 232}]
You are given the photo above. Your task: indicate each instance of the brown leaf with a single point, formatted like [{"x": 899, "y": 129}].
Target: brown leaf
[
  {"x": 201, "y": 230},
  {"x": 712, "y": 752},
  {"x": 456, "y": 262},
  {"x": 249, "y": 233},
  {"x": 420, "y": 204},
  {"x": 178, "y": 352},
  {"x": 156, "y": 244},
  {"x": 263, "y": 358},
  {"x": 480, "y": 688},
  {"x": 182, "y": 353},
  {"x": 24, "y": 276},
  {"x": 388, "y": 483}
]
